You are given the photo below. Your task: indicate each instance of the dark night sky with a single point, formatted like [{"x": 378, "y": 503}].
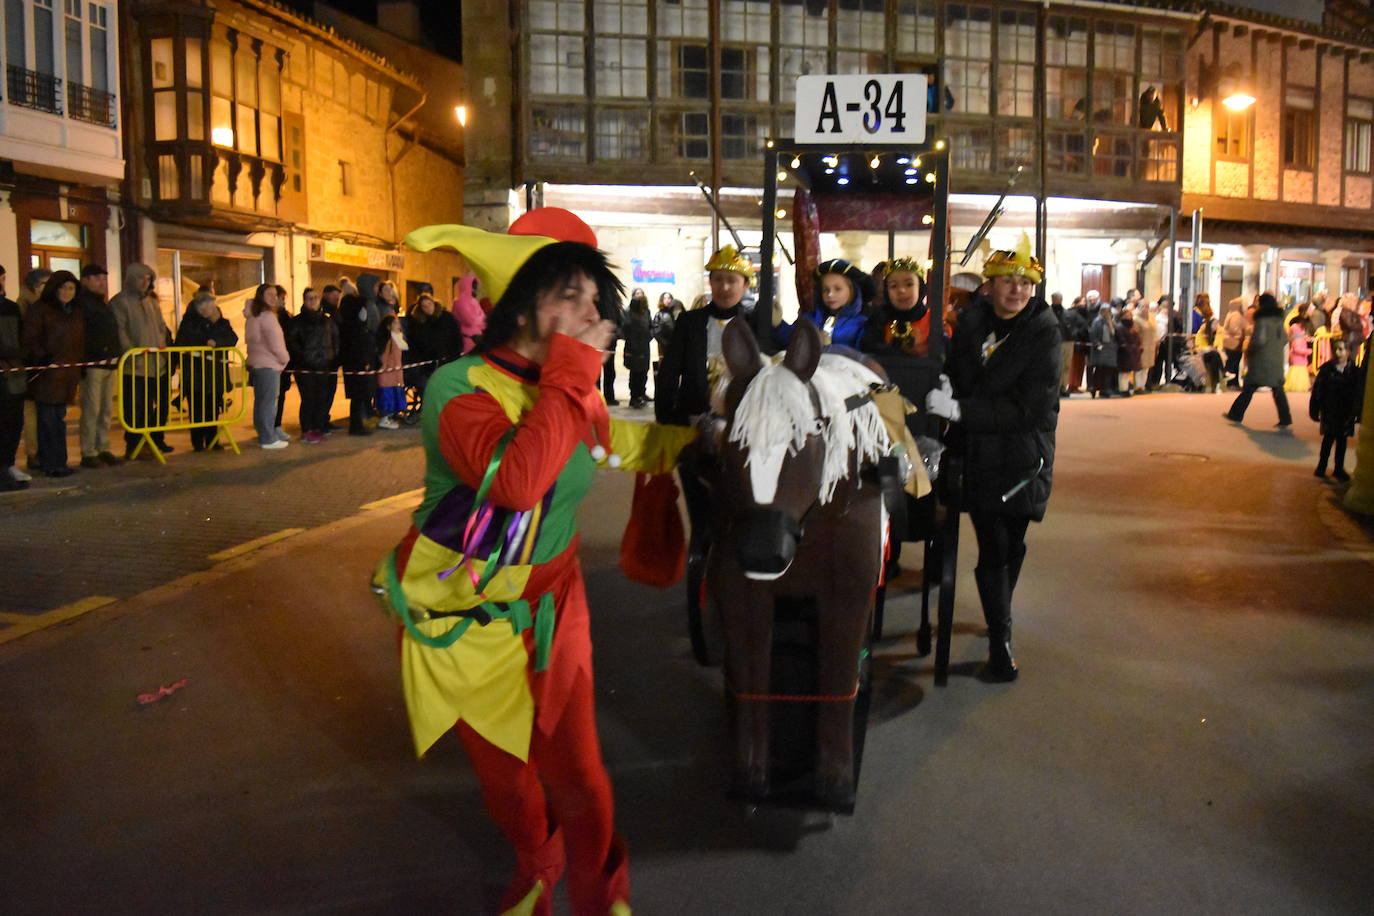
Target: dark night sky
[{"x": 441, "y": 20}]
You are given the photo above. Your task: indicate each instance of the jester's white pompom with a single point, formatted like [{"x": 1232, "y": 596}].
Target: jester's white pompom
[
  {"x": 598, "y": 452},
  {"x": 613, "y": 461}
]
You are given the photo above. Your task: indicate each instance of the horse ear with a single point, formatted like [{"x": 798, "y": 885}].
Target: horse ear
[
  {"x": 803, "y": 350},
  {"x": 741, "y": 350}
]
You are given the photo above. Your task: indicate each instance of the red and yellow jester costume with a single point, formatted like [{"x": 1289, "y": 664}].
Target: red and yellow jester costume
[{"x": 488, "y": 587}]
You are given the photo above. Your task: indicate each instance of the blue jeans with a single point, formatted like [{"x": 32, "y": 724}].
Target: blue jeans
[{"x": 266, "y": 383}]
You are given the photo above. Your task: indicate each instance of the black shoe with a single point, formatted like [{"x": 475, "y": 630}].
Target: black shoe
[
  {"x": 164, "y": 447},
  {"x": 1320, "y": 472},
  {"x": 1227, "y": 416},
  {"x": 90, "y": 461},
  {"x": 1282, "y": 426},
  {"x": 9, "y": 484},
  {"x": 613, "y": 402},
  {"x": 1340, "y": 475},
  {"x": 360, "y": 431},
  {"x": 110, "y": 459},
  {"x": 61, "y": 472}
]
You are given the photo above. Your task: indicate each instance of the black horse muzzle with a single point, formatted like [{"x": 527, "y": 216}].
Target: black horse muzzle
[{"x": 765, "y": 542}]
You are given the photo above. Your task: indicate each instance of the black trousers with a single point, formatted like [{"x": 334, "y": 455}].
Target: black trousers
[
  {"x": 608, "y": 379},
  {"x": 1327, "y": 442},
  {"x": 52, "y": 436},
  {"x": 315, "y": 392},
  {"x": 144, "y": 403},
  {"x": 1001, "y": 538},
  {"x": 1232, "y": 367},
  {"x": 333, "y": 387},
  {"x": 11, "y": 425},
  {"x": 1242, "y": 403},
  {"x": 639, "y": 381}
]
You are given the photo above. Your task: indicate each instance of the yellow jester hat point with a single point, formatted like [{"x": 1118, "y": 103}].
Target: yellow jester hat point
[
  {"x": 493, "y": 256},
  {"x": 728, "y": 258},
  {"x": 1016, "y": 263}
]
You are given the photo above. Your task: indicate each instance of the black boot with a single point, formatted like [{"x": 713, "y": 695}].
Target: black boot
[
  {"x": 356, "y": 409},
  {"x": 994, "y": 588}
]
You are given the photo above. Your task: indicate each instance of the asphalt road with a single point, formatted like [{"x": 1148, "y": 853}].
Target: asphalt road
[{"x": 1190, "y": 733}]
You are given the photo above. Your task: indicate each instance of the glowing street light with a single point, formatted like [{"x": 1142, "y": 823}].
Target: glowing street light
[{"x": 461, "y": 113}]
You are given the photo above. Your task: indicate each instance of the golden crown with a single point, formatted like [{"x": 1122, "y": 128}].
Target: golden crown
[
  {"x": 1015, "y": 263},
  {"x": 728, "y": 258}
]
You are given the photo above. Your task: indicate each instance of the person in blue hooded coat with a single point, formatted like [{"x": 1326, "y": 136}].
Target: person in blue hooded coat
[{"x": 842, "y": 291}]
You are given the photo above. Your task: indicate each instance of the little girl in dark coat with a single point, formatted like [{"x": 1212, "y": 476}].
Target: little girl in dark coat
[{"x": 1336, "y": 399}]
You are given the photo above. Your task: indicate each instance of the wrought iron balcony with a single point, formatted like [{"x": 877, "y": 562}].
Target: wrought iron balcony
[
  {"x": 93, "y": 106},
  {"x": 34, "y": 90}
]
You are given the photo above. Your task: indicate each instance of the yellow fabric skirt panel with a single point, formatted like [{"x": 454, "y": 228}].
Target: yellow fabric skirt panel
[
  {"x": 481, "y": 679},
  {"x": 1297, "y": 379},
  {"x": 426, "y": 591},
  {"x": 649, "y": 447}
]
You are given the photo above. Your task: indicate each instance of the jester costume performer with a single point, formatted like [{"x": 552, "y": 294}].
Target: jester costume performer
[{"x": 486, "y": 584}]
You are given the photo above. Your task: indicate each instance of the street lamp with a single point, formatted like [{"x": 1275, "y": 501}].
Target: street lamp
[{"x": 461, "y": 112}]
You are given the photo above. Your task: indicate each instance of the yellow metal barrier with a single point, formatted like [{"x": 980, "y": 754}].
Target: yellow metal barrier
[{"x": 163, "y": 389}]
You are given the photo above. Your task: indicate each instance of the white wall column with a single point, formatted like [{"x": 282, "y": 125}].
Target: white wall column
[
  {"x": 852, "y": 246},
  {"x": 1127, "y": 252},
  {"x": 1252, "y": 284},
  {"x": 9, "y": 246},
  {"x": 1334, "y": 258}
]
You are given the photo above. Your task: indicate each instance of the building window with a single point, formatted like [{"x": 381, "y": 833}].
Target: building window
[
  {"x": 968, "y": 57},
  {"x": 345, "y": 178},
  {"x": 1066, "y": 68},
  {"x": 859, "y": 36},
  {"x": 916, "y": 27},
  {"x": 693, "y": 74},
  {"x": 1065, "y": 152},
  {"x": 622, "y": 67},
  {"x": 1299, "y": 128},
  {"x": 558, "y": 132},
  {"x": 804, "y": 37},
  {"x": 622, "y": 134},
  {"x": 1114, "y": 71},
  {"x": 684, "y": 135},
  {"x": 16, "y": 45},
  {"x": 1016, "y": 64},
  {"x": 1232, "y": 132},
  {"x": 1160, "y": 159},
  {"x": 1359, "y": 126},
  {"x": 1161, "y": 63},
  {"x": 98, "y": 37},
  {"x": 76, "y": 57},
  {"x": 558, "y": 30},
  {"x": 971, "y": 149},
  {"x": 43, "y": 60},
  {"x": 740, "y": 137},
  {"x": 1015, "y": 147}
]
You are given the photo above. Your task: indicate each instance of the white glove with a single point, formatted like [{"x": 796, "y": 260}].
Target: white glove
[{"x": 940, "y": 401}]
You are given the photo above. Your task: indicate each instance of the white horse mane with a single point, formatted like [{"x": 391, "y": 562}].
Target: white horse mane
[{"x": 775, "y": 417}]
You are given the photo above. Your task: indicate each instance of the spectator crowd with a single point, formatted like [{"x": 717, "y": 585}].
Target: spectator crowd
[{"x": 63, "y": 336}]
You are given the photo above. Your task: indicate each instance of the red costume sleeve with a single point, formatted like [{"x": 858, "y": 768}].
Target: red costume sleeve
[{"x": 471, "y": 426}]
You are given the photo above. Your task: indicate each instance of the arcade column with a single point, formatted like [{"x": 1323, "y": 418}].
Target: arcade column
[
  {"x": 852, "y": 246},
  {"x": 1333, "y": 259},
  {"x": 1255, "y": 258}
]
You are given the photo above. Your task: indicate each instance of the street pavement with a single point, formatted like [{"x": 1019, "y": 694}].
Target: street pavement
[{"x": 1190, "y": 733}]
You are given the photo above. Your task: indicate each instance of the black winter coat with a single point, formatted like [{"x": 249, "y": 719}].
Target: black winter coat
[
  {"x": 637, "y": 332},
  {"x": 436, "y": 338},
  {"x": 102, "y": 331},
  {"x": 1009, "y": 408},
  {"x": 204, "y": 380},
  {"x": 682, "y": 389},
  {"x": 1337, "y": 399},
  {"x": 357, "y": 347},
  {"x": 313, "y": 341}
]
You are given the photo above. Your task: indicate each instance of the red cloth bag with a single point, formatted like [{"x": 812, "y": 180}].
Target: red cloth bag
[{"x": 654, "y": 548}]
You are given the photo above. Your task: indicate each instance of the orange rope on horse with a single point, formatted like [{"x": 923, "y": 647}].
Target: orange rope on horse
[{"x": 796, "y": 698}]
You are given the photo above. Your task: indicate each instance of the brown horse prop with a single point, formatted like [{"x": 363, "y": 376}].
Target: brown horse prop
[{"x": 798, "y": 517}]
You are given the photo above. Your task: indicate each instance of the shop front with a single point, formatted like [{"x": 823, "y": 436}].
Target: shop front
[
  {"x": 190, "y": 260},
  {"x": 330, "y": 260}
]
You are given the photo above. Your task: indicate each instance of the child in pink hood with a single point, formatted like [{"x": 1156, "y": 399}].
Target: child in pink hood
[{"x": 471, "y": 319}]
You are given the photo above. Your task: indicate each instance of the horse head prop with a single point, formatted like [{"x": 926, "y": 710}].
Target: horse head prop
[{"x": 799, "y": 518}]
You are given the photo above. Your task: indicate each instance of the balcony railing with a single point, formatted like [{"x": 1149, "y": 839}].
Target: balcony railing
[
  {"x": 34, "y": 90},
  {"x": 93, "y": 106}
]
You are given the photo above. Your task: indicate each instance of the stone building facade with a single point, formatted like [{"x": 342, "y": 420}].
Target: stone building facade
[{"x": 266, "y": 147}]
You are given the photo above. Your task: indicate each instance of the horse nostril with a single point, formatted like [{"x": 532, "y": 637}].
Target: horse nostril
[{"x": 766, "y": 542}]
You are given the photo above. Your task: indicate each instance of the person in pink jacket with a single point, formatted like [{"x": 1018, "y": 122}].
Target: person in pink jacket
[
  {"x": 472, "y": 321},
  {"x": 267, "y": 359}
]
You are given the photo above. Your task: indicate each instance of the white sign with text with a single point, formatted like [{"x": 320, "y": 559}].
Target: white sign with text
[{"x": 865, "y": 108}]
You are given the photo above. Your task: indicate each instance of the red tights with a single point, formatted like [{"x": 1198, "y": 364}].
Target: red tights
[{"x": 559, "y": 800}]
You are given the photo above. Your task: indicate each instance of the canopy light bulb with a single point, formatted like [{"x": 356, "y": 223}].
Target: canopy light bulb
[
  {"x": 830, "y": 171},
  {"x": 903, "y": 160},
  {"x": 782, "y": 176},
  {"x": 796, "y": 162},
  {"x": 841, "y": 180},
  {"x": 911, "y": 171},
  {"x": 917, "y": 163},
  {"x": 939, "y": 144},
  {"x": 930, "y": 177},
  {"x": 875, "y": 162},
  {"x": 780, "y": 214},
  {"x": 832, "y": 161},
  {"x": 927, "y": 220},
  {"x": 768, "y": 143},
  {"x": 911, "y": 181}
]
